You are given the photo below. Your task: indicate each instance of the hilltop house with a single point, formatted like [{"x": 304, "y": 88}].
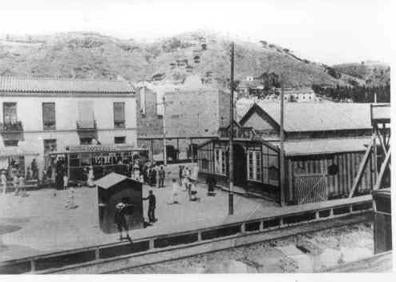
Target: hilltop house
[{"x": 324, "y": 144}]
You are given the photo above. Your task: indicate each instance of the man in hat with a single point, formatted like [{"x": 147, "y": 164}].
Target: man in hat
[
  {"x": 120, "y": 220},
  {"x": 151, "y": 207}
]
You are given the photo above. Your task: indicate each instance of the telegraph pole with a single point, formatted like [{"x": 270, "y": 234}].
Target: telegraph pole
[
  {"x": 281, "y": 143},
  {"x": 164, "y": 130},
  {"x": 231, "y": 133}
]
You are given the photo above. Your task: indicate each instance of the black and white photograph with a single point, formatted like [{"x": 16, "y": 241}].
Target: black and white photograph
[{"x": 158, "y": 137}]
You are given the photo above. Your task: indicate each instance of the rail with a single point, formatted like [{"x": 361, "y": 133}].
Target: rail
[{"x": 231, "y": 227}]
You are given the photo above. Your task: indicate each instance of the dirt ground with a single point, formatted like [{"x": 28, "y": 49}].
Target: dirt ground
[{"x": 40, "y": 223}]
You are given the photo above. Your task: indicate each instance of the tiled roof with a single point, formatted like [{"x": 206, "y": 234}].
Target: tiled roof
[
  {"x": 40, "y": 85},
  {"x": 320, "y": 116}
]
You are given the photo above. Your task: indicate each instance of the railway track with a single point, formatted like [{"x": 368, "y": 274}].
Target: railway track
[{"x": 114, "y": 257}]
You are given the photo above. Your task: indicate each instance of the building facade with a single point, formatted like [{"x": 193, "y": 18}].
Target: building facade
[
  {"x": 189, "y": 110},
  {"x": 323, "y": 148},
  {"x": 39, "y": 116}
]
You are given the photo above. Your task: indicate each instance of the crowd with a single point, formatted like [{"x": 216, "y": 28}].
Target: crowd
[{"x": 14, "y": 177}]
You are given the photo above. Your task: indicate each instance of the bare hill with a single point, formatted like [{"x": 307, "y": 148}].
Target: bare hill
[{"x": 92, "y": 55}]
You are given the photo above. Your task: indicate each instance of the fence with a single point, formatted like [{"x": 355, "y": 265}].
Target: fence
[{"x": 234, "y": 227}]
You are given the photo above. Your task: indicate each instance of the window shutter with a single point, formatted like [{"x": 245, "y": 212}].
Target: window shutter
[{"x": 119, "y": 112}]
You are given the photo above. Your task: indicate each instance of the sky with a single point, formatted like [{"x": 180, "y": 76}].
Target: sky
[{"x": 327, "y": 31}]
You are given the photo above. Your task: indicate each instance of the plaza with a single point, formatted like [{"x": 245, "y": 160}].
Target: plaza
[{"x": 40, "y": 223}]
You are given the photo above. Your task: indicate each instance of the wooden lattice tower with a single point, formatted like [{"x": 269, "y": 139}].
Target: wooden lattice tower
[{"x": 379, "y": 148}]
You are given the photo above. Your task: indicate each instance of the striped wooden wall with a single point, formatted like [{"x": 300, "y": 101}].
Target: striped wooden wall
[{"x": 337, "y": 185}]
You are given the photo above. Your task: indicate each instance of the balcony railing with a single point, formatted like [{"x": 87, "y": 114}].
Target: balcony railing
[
  {"x": 11, "y": 132},
  {"x": 86, "y": 125},
  {"x": 243, "y": 132},
  {"x": 11, "y": 127}
]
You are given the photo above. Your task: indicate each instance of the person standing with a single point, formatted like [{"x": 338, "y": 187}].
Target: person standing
[
  {"x": 175, "y": 192},
  {"x": 151, "y": 208},
  {"x": 157, "y": 176},
  {"x": 180, "y": 174},
  {"x": 120, "y": 220},
  {"x": 91, "y": 176},
  {"x": 15, "y": 183},
  {"x": 21, "y": 183},
  {"x": 34, "y": 169},
  {"x": 65, "y": 181},
  {"x": 3, "y": 180},
  {"x": 161, "y": 177}
]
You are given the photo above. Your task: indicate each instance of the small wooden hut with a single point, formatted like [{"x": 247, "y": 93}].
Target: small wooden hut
[{"x": 113, "y": 189}]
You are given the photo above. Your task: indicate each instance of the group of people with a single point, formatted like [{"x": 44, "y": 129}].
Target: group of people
[
  {"x": 154, "y": 175},
  {"x": 15, "y": 176}
]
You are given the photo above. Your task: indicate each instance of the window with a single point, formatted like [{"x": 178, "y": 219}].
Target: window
[
  {"x": 85, "y": 141},
  {"x": 86, "y": 114},
  {"x": 254, "y": 166},
  {"x": 10, "y": 113},
  {"x": 119, "y": 140},
  {"x": 205, "y": 164},
  {"x": 10, "y": 143},
  {"x": 119, "y": 114},
  {"x": 49, "y": 121},
  {"x": 221, "y": 162}
]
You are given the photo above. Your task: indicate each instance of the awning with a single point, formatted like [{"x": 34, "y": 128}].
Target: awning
[
  {"x": 325, "y": 146},
  {"x": 15, "y": 152}
]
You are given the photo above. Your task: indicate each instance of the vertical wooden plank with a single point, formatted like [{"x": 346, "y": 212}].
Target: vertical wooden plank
[
  {"x": 290, "y": 179},
  {"x": 345, "y": 170},
  {"x": 336, "y": 177},
  {"x": 347, "y": 174}
]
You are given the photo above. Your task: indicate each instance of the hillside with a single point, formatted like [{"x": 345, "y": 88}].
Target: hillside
[
  {"x": 373, "y": 73},
  {"x": 92, "y": 55}
]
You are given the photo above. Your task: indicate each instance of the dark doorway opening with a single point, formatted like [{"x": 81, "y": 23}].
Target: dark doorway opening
[{"x": 239, "y": 165}]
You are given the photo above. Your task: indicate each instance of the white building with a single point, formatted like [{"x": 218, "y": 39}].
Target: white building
[{"x": 43, "y": 115}]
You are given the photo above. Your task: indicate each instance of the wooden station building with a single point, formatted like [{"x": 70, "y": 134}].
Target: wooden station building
[{"x": 323, "y": 148}]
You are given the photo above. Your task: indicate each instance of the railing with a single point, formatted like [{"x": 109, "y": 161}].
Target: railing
[
  {"x": 243, "y": 132},
  {"x": 86, "y": 125},
  {"x": 10, "y": 127},
  {"x": 231, "y": 227}
]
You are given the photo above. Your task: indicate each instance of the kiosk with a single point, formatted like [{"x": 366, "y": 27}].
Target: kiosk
[{"x": 113, "y": 189}]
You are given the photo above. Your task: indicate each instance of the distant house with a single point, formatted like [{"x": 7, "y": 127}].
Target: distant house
[{"x": 323, "y": 146}]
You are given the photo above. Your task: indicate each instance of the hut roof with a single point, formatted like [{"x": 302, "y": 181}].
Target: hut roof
[
  {"x": 319, "y": 116},
  {"x": 110, "y": 180}
]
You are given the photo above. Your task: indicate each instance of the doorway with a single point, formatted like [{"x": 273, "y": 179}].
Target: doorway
[{"x": 239, "y": 165}]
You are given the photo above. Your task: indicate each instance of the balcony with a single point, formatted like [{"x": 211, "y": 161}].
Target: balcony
[
  {"x": 87, "y": 129},
  {"x": 12, "y": 131},
  {"x": 239, "y": 132},
  {"x": 89, "y": 125}
]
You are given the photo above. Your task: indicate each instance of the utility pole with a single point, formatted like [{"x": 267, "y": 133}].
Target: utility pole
[
  {"x": 164, "y": 130},
  {"x": 231, "y": 137},
  {"x": 281, "y": 143}
]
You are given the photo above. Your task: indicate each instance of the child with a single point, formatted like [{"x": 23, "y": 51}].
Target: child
[
  {"x": 175, "y": 190},
  {"x": 65, "y": 182}
]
